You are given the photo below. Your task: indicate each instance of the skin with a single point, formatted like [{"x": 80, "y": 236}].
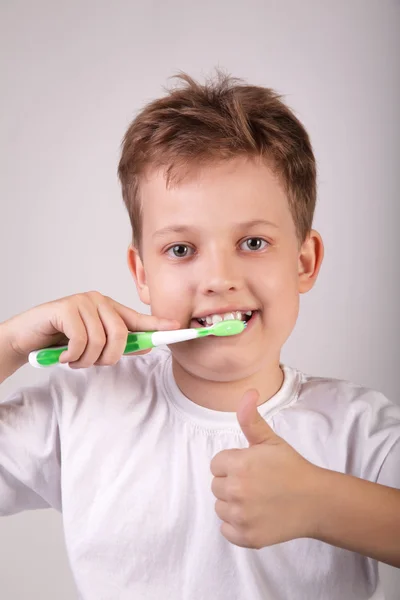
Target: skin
[{"x": 216, "y": 267}]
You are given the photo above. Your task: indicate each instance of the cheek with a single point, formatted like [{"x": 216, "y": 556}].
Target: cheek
[
  {"x": 280, "y": 289},
  {"x": 172, "y": 279},
  {"x": 279, "y": 282},
  {"x": 169, "y": 295}
]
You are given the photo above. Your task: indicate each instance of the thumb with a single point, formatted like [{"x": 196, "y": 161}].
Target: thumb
[{"x": 254, "y": 427}]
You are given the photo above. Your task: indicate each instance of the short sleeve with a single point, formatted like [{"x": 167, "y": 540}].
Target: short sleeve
[
  {"x": 29, "y": 452},
  {"x": 389, "y": 473}
]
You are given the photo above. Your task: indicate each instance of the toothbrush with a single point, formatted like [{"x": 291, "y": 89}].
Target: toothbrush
[{"x": 142, "y": 340}]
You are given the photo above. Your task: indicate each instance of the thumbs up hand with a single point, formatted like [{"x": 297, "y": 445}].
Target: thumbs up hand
[{"x": 264, "y": 492}]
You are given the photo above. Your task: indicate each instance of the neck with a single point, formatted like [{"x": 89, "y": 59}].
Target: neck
[{"x": 226, "y": 395}]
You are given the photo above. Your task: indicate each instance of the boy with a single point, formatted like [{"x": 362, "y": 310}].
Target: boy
[{"x": 209, "y": 469}]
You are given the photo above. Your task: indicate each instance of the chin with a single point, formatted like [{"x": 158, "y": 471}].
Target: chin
[{"x": 216, "y": 365}]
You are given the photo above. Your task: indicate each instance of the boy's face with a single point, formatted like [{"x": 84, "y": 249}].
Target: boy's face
[{"x": 236, "y": 249}]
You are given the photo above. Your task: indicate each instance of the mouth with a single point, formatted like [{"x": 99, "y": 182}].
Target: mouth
[{"x": 210, "y": 320}]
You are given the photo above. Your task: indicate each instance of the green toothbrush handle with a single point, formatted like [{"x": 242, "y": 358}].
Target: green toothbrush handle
[
  {"x": 141, "y": 340},
  {"x": 47, "y": 357},
  {"x": 144, "y": 340}
]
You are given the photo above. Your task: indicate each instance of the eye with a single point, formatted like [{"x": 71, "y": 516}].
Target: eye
[
  {"x": 179, "y": 250},
  {"x": 254, "y": 243}
]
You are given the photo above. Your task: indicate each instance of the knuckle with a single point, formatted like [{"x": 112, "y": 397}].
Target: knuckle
[
  {"x": 235, "y": 490},
  {"x": 119, "y": 334},
  {"x": 78, "y": 300},
  {"x": 113, "y": 361},
  {"x": 238, "y": 516},
  {"x": 80, "y": 339},
  {"x": 252, "y": 540},
  {"x": 94, "y": 294},
  {"x": 79, "y": 364},
  {"x": 212, "y": 467},
  {"x": 65, "y": 308},
  {"x": 109, "y": 360},
  {"x": 217, "y": 507},
  {"x": 86, "y": 364},
  {"x": 241, "y": 466},
  {"x": 98, "y": 341},
  {"x": 83, "y": 364},
  {"x": 105, "y": 362},
  {"x": 79, "y": 297},
  {"x": 88, "y": 298}
]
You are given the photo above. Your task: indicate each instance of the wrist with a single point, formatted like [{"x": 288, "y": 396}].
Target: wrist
[
  {"x": 357, "y": 515},
  {"x": 332, "y": 499},
  {"x": 10, "y": 358},
  {"x": 321, "y": 487}
]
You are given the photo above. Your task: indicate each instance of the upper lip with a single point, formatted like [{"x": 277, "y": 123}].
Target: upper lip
[{"x": 222, "y": 311}]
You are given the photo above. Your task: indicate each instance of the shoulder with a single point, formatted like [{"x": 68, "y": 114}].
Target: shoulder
[
  {"x": 345, "y": 398},
  {"x": 356, "y": 427}
]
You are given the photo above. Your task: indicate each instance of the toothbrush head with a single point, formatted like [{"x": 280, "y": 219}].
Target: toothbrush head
[{"x": 223, "y": 328}]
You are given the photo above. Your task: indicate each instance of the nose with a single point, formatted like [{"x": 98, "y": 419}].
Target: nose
[{"x": 221, "y": 275}]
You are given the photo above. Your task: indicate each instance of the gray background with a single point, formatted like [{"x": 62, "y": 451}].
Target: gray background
[{"x": 73, "y": 74}]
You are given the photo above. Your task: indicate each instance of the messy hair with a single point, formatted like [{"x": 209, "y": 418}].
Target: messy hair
[{"x": 224, "y": 118}]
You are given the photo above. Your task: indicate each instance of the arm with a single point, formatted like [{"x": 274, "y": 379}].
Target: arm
[
  {"x": 269, "y": 494},
  {"x": 98, "y": 337},
  {"x": 10, "y": 361},
  {"x": 358, "y": 515},
  {"x": 95, "y": 328}
]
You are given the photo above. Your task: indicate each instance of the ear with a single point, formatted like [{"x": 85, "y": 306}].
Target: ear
[
  {"x": 310, "y": 260},
  {"x": 136, "y": 267}
]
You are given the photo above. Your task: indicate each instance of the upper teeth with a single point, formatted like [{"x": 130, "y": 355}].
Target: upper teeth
[{"x": 212, "y": 319}]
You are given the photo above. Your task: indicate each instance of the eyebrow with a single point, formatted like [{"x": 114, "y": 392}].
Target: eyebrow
[{"x": 188, "y": 228}]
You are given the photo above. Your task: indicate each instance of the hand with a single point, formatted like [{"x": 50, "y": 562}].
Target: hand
[
  {"x": 94, "y": 326},
  {"x": 264, "y": 492}
]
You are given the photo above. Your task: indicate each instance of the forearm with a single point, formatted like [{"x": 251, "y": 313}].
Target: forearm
[
  {"x": 358, "y": 515},
  {"x": 10, "y": 361}
]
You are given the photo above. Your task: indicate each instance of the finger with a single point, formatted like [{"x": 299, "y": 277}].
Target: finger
[
  {"x": 221, "y": 464},
  {"x": 136, "y": 321},
  {"x": 72, "y": 325},
  {"x": 234, "y": 536},
  {"x": 116, "y": 334},
  {"x": 254, "y": 427},
  {"x": 223, "y": 510},
  {"x": 219, "y": 488},
  {"x": 96, "y": 336}
]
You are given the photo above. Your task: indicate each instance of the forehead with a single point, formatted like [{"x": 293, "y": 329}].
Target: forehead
[{"x": 237, "y": 190}]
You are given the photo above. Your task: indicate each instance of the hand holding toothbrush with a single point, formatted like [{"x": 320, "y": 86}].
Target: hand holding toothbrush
[
  {"x": 96, "y": 329},
  {"x": 94, "y": 326}
]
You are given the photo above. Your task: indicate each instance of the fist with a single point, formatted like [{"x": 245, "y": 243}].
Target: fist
[{"x": 264, "y": 492}]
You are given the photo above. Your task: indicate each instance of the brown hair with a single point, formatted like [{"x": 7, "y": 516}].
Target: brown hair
[{"x": 224, "y": 118}]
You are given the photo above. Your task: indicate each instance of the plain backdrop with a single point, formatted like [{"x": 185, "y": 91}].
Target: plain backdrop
[{"x": 73, "y": 75}]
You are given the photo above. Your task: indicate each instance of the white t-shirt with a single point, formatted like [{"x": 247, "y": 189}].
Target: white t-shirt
[{"x": 126, "y": 457}]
